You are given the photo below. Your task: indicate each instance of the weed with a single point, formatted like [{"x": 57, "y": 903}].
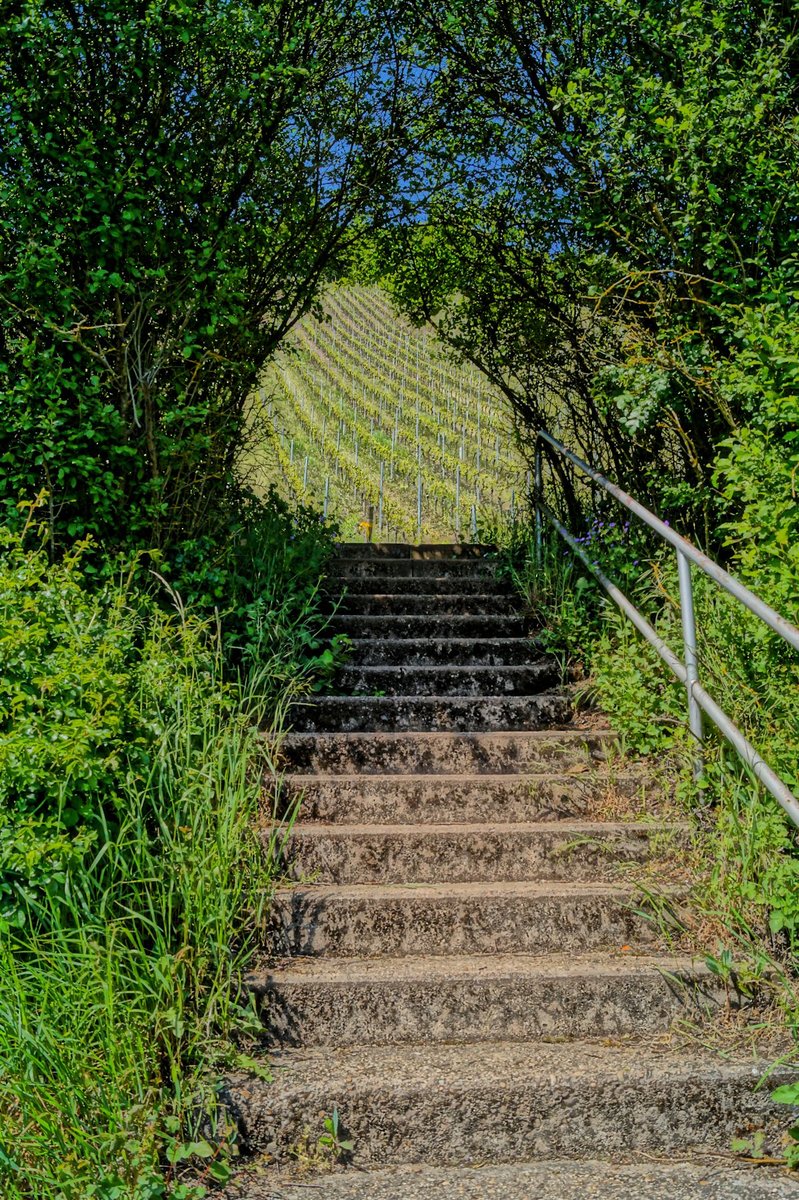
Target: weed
[
  {"x": 323, "y": 1151},
  {"x": 332, "y": 1141},
  {"x": 789, "y": 1094}
]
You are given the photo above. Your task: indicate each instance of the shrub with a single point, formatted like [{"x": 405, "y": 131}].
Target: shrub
[
  {"x": 749, "y": 846},
  {"x": 132, "y": 882},
  {"x": 153, "y": 255},
  {"x": 261, "y": 580}
]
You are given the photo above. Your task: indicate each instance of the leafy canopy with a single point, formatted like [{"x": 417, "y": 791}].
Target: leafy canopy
[
  {"x": 613, "y": 234},
  {"x": 176, "y": 181}
]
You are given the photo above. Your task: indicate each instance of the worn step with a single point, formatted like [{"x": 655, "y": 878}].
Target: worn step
[
  {"x": 450, "y": 680},
  {"x": 708, "y": 1178},
  {"x": 501, "y": 1102},
  {"x": 420, "y": 625},
  {"x": 563, "y": 850},
  {"x": 406, "y": 1001},
  {"x": 406, "y": 570},
  {"x": 458, "y": 918},
  {"x": 385, "y": 753},
  {"x": 422, "y": 652},
  {"x": 399, "y": 550},
  {"x": 431, "y": 585},
  {"x": 359, "y": 799},
  {"x": 482, "y": 713},
  {"x": 428, "y": 605}
]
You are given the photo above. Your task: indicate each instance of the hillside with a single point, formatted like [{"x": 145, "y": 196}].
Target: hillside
[{"x": 362, "y": 409}]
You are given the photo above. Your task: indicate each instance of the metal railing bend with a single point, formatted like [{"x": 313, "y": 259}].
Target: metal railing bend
[{"x": 699, "y": 700}]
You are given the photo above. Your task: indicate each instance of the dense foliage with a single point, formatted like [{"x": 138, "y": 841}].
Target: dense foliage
[
  {"x": 614, "y": 239},
  {"x": 176, "y": 181},
  {"x": 132, "y": 771},
  {"x": 87, "y": 685}
]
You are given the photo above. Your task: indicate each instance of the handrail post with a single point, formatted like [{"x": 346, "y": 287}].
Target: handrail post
[
  {"x": 539, "y": 536},
  {"x": 458, "y": 499},
  {"x": 380, "y": 502},
  {"x": 689, "y": 644}
]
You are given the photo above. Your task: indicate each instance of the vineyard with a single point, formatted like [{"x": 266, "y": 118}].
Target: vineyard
[{"x": 366, "y": 417}]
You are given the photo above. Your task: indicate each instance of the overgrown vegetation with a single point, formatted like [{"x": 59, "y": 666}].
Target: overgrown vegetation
[
  {"x": 747, "y": 845},
  {"x": 131, "y": 878},
  {"x": 595, "y": 204}
]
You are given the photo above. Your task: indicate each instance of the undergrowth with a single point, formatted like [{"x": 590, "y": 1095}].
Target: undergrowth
[
  {"x": 745, "y": 846},
  {"x": 131, "y": 882}
]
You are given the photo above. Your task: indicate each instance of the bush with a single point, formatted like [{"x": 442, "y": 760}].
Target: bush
[
  {"x": 261, "y": 579},
  {"x": 131, "y": 878},
  {"x": 750, "y": 847},
  {"x": 91, "y": 673},
  {"x": 757, "y": 466},
  {"x": 153, "y": 255},
  {"x": 67, "y": 707}
]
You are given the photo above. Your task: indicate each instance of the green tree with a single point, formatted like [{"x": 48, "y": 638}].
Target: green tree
[
  {"x": 617, "y": 195},
  {"x": 177, "y": 179}
]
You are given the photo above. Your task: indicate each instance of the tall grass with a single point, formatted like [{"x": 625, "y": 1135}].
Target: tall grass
[{"x": 127, "y": 931}]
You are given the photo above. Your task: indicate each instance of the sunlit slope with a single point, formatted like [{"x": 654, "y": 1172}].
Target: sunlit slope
[{"x": 365, "y": 412}]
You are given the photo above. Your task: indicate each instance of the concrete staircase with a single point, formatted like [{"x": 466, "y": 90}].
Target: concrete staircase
[{"x": 464, "y": 973}]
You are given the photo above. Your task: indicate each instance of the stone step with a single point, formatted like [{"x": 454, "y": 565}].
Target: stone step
[
  {"x": 399, "y": 550},
  {"x": 458, "y": 918},
  {"x": 414, "y": 626},
  {"x": 384, "y": 753},
  {"x": 484, "y": 852},
  {"x": 482, "y": 604},
  {"x": 439, "y": 799},
  {"x": 432, "y": 585},
  {"x": 421, "y": 652},
  {"x": 426, "y": 1000},
  {"x": 351, "y": 714},
  {"x": 437, "y": 680},
  {"x": 405, "y": 570},
  {"x": 708, "y": 1178},
  {"x": 504, "y": 1102}
]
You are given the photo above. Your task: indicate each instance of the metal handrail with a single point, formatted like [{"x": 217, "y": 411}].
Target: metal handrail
[{"x": 699, "y": 700}]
